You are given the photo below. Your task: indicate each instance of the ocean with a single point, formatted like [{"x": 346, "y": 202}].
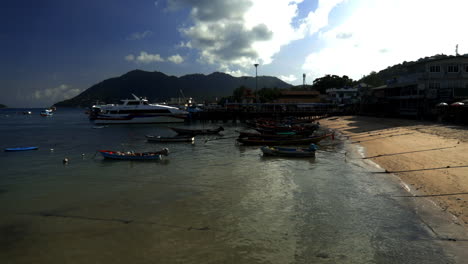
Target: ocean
[{"x": 213, "y": 201}]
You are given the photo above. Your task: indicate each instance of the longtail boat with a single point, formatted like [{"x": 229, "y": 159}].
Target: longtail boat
[
  {"x": 292, "y": 141},
  {"x": 179, "y": 138},
  {"x": 290, "y": 152},
  {"x": 184, "y": 131},
  {"x": 130, "y": 155}
]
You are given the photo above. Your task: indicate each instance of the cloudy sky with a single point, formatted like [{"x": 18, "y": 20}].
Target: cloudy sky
[{"x": 53, "y": 49}]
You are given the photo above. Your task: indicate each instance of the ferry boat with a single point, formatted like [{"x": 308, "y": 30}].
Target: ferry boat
[{"x": 136, "y": 111}]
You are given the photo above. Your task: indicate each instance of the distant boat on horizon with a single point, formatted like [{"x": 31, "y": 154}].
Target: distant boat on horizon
[{"x": 46, "y": 112}]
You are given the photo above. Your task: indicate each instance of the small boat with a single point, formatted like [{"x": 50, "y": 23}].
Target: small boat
[
  {"x": 289, "y": 141},
  {"x": 193, "y": 132},
  {"x": 279, "y": 135},
  {"x": 27, "y": 112},
  {"x": 21, "y": 149},
  {"x": 46, "y": 112},
  {"x": 179, "y": 138},
  {"x": 130, "y": 155},
  {"x": 290, "y": 152}
]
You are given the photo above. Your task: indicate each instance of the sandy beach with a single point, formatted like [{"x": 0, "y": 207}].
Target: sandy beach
[{"x": 431, "y": 158}]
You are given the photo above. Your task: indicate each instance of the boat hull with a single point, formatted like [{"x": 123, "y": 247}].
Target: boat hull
[
  {"x": 193, "y": 132},
  {"x": 288, "y": 152},
  {"x": 170, "y": 139},
  {"x": 21, "y": 149},
  {"x": 270, "y": 142},
  {"x": 127, "y": 156},
  {"x": 125, "y": 119}
]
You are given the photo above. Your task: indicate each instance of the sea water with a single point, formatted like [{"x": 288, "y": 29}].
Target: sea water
[{"x": 212, "y": 201}]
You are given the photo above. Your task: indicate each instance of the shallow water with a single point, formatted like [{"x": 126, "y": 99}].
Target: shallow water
[{"x": 209, "y": 202}]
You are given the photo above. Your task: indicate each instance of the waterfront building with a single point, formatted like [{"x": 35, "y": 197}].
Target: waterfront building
[
  {"x": 420, "y": 86},
  {"x": 345, "y": 95}
]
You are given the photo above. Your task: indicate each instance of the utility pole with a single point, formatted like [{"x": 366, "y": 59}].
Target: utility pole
[
  {"x": 303, "y": 80},
  {"x": 256, "y": 82}
]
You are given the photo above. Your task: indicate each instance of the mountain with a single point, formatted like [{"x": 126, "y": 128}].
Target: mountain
[{"x": 157, "y": 86}]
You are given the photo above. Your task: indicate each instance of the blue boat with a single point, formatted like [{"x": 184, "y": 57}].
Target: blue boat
[
  {"x": 21, "y": 149},
  {"x": 130, "y": 155}
]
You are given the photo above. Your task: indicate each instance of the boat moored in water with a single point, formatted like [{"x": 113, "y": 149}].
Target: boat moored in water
[
  {"x": 130, "y": 155},
  {"x": 179, "y": 138},
  {"x": 136, "y": 111},
  {"x": 20, "y": 149},
  {"x": 290, "y": 152},
  {"x": 185, "y": 131},
  {"x": 46, "y": 112},
  {"x": 286, "y": 141}
]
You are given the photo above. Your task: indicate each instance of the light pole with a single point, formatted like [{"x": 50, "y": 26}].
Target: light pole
[
  {"x": 303, "y": 80},
  {"x": 256, "y": 65}
]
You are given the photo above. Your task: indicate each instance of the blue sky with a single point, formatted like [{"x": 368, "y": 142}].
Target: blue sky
[{"x": 53, "y": 50}]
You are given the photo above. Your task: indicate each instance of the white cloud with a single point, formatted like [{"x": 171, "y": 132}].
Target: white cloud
[
  {"x": 130, "y": 57},
  {"x": 233, "y": 33},
  {"x": 289, "y": 78},
  {"x": 235, "y": 73},
  {"x": 177, "y": 59},
  {"x": 140, "y": 35},
  {"x": 55, "y": 94},
  {"x": 378, "y": 34},
  {"x": 184, "y": 45},
  {"x": 144, "y": 57}
]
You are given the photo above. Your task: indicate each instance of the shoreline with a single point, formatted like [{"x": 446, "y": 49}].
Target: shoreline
[{"x": 430, "y": 158}]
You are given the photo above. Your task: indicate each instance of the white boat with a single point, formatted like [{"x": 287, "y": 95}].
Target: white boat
[
  {"x": 46, "y": 112},
  {"x": 136, "y": 111}
]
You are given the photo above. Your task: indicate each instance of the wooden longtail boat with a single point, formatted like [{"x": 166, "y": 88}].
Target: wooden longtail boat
[
  {"x": 290, "y": 152},
  {"x": 184, "y": 131},
  {"x": 292, "y": 141},
  {"x": 180, "y": 138},
  {"x": 130, "y": 155}
]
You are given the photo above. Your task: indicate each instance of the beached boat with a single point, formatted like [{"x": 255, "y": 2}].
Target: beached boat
[
  {"x": 179, "y": 138},
  {"x": 289, "y": 141},
  {"x": 46, "y": 112},
  {"x": 21, "y": 149},
  {"x": 136, "y": 111},
  {"x": 290, "y": 152},
  {"x": 184, "y": 131},
  {"x": 130, "y": 155}
]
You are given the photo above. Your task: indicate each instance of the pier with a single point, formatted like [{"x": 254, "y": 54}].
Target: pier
[{"x": 241, "y": 112}]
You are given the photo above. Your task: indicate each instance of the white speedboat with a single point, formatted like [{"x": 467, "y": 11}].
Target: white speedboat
[{"x": 136, "y": 111}]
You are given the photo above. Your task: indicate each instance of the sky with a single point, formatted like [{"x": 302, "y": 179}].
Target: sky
[{"x": 51, "y": 50}]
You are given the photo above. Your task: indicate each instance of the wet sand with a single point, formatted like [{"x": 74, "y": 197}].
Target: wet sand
[{"x": 431, "y": 158}]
